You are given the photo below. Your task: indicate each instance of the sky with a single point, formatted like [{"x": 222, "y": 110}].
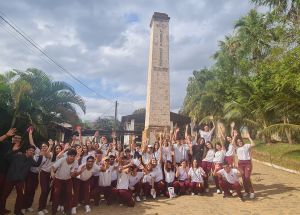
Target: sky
[{"x": 105, "y": 44}]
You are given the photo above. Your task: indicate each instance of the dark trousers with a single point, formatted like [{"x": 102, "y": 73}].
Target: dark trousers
[
  {"x": 207, "y": 167},
  {"x": 81, "y": 188},
  {"x": 181, "y": 187},
  {"x": 137, "y": 189},
  {"x": 45, "y": 181},
  {"x": 196, "y": 187},
  {"x": 226, "y": 186},
  {"x": 160, "y": 187},
  {"x": 246, "y": 167},
  {"x": 217, "y": 167},
  {"x": 146, "y": 187},
  {"x": 31, "y": 183},
  {"x": 125, "y": 196},
  {"x": 62, "y": 187},
  {"x": 106, "y": 191},
  {"x": 9, "y": 185}
]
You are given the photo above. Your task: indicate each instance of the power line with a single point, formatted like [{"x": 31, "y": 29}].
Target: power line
[{"x": 36, "y": 46}]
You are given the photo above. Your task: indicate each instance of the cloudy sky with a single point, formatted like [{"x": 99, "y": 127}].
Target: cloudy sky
[{"x": 105, "y": 44}]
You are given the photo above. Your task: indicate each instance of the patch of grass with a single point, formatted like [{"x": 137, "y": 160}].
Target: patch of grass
[{"x": 282, "y": 154}]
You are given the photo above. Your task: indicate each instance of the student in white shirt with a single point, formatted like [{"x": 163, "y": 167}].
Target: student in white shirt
[
  {"x": 207, "y": 163},
  {"x": 135, "y": 182},
  {"x": 104, "y": 184},
  {"x": 196, "y": 175},
  {"x": 182, "y": 185},
  {"x": 157, "y": 174},
  {"x": 181, "y": 150},
  {"x": 82, "y": 183},
  {"x": 122, "y": 191},
  {"x": 148, "y": 181},
  {"x": 65, "y": 168},
  {"x": 243, "y": 152},
  {"x": 229, "y": 180},
  {"x": 206, "y": 133},
  {"x": 218, "y": 162}
]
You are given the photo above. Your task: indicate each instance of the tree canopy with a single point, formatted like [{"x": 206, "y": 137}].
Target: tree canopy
[{"x": 255, "y": 78}]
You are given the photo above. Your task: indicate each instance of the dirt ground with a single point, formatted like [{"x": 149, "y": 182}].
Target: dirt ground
[{"x": 277, "y": 192}]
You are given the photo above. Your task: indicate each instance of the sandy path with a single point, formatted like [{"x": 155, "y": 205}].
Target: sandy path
[{"x": 277, "y": 192}]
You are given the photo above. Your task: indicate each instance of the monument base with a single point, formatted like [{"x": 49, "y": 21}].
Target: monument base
[{"x": 152, "y": 133}]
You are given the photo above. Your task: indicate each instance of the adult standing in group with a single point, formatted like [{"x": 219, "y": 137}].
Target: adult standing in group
[
  {"x": 207, "y": 133},
  {"x": 243, "y": 152}
]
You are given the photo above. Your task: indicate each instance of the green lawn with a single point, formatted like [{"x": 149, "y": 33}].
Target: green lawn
[{"x": 281, "y": 154}]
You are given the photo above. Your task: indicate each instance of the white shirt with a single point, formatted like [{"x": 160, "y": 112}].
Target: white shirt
[
  {"x": 105, "y": 177},
  {"x": 183, "y": 174},
  {"x": 87, "y": 174},
  {"x": 146, "y": 157},
  {"x": 156, "y": 154},
  {"x": 63, "y": 169},
  {"x": 181, "y": 152},
  {"x": 209, "y": 155},
  {"x": 167, "y": 153},
  {"x": 147, "y": 178},
  {"x": 230, "y": 151},
  {"x": 114, "y": 173},
  {"x": 219, "y": 156},
  {"x": 133, "y": 180},
  {"x": 169, "y": 176},
  {"x": 196, "y": 174},
  {"x": 157, "y": 173},
  {"x": 232, "y": 177},
  {"x": 206, "y": 135},
  {"x": 243, "y": 152},
  {"x": 123, "y": 181},
  {"x": 46, "y": 166}
]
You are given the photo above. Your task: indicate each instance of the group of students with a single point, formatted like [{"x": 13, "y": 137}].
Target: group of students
[{"x": 75, "y": 173}]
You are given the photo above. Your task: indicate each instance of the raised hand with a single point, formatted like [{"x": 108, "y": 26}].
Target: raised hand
[
  {"x": 11, "y": 132},
  {"x": 232, "y": 124}
]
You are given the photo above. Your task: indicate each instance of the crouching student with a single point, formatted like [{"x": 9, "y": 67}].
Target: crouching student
[
  {"x": 218, "y": 162},
  {"x": 82, "y": 184},
  {"x": 229, "y": 180},
  {"x": 148, "y": 182},
  {"x": 169, "y": 178},
  {"x": 196, "y": 174},
  {"x": 182, "y": 185},
  {"x": 65, "y": 168},
  {"x": 104, "y": 187},
  {"x": 122, "y": 192},
  {"x": 157, "y": 174},
  {"x": 135, "y": 182},
  {"x": 207, "y": 164}
]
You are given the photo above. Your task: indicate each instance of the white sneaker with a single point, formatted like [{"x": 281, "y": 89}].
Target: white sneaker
[
  {"x": 87, "y": 209},
  {"x": 62, "y": 209},
  {"x": 153, "y": 193},
  {"x": 219, "y": 191},
  {"x": 58, "y": 208},
  {"x": 192, "y": 194},
  {"x": 30, "y": 210},
  {"x": 252, "y": 196},
  {"x": 137, "y": 198},
  {"x": 120, "y": 205},
  {"x": 73, "y": 211},
  {"x": 245, "y": 194},
  {"x": 207, "y": 190},
  {"x": 23, "y": 211},
  {"x": 45, "y": 211},
  {"x": 40, "y": 213},
  {"x": 144, "y": 198}
]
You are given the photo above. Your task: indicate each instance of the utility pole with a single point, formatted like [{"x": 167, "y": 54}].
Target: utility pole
[{"x": 116, "y": 115}]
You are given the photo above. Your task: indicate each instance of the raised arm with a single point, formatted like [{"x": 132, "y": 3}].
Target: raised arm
[
  {"x": 9, "y": 133},
  {"x": 30, "y": 131},
  {"x": 247, "y": 135}
]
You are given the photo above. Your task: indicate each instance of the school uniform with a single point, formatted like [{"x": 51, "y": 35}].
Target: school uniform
[
  {"x": 182, "y": 185},
  {"x": 229, "y": 155},
  {"x": 159, "y": 184},
  {"x": 181, "y": 152},
  {"x": 135, "y": 183},
  {"x": 230, "y": 181},
  {"x": 45, "y": 180},
  {"x": 146, "y": 184},
  {"x": 207, "y": 165},
  {"x": 169, "y": 179},
  {"x": 245, "y": 164},
  {"x": 62, "y": 183},
  {"x": 196, "y": 175},
  {"x": 122, "y": 192},
  {"x": 218, "y": 162},
  {"x": 104, "y": 186},
  {"x": 82, "y": 184}
]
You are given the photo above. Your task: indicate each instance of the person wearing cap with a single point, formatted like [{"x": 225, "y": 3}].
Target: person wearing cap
[
  {"x": 104, "y": 183},
  {"x": 62, "y": 172},
  {"x": 229, "y": 180},
  {"x": 135, "y": 182}
]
